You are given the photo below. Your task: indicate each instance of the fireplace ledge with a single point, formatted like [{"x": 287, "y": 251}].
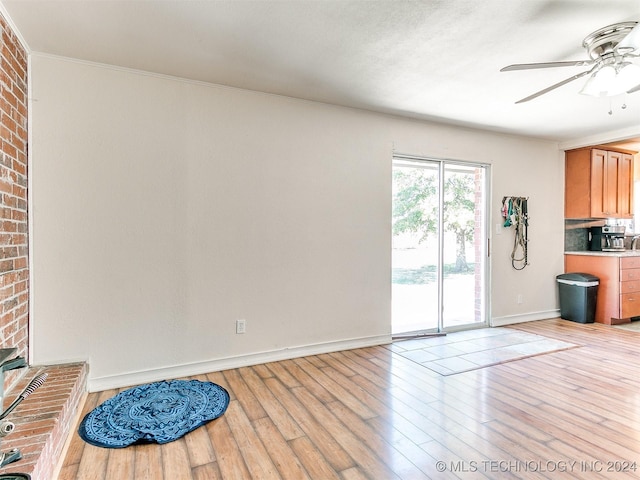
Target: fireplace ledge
[{"x": 44, "y": 419}]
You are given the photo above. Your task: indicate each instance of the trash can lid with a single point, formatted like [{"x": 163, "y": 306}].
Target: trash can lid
[{"x": 578, "y": 278}]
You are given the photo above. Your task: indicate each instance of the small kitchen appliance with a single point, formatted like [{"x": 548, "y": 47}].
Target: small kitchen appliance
[{"x": 608, "y": 238}]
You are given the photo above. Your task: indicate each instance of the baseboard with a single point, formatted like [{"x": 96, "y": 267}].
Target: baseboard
[
  {"x": 527, "y": 317},
  {"x": 198, "y": 368}
]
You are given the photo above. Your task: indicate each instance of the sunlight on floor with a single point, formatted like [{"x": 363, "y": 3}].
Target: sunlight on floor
[{"x": 472, "y": 349}]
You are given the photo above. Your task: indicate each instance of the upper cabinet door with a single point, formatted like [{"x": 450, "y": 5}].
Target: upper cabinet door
[
  {"x": 601, "y": 174},
  {"x": 625, "y": 185},
  {"x": 577, "y": 187},
  {"x": 598, "y": 184},
  {"x": 611, "y": 184}
]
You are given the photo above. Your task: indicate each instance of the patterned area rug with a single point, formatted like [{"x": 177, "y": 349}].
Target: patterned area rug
[{"x": 157, "y": 412}]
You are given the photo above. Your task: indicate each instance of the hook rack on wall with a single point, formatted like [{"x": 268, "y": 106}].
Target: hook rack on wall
[{"x": 515, "y": 213}]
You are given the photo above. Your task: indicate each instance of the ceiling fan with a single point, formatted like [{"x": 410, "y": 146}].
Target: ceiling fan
[{"x": 611, "y": 50}]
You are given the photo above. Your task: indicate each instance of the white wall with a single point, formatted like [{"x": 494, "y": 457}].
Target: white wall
[{"x": 163, "y": 210}]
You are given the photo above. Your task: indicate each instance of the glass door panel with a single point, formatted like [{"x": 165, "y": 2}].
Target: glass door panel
[
  {"x": 415, "y": 286},
  {"x": 464, "y": 246},
  {"x": 439, "y": 245}
]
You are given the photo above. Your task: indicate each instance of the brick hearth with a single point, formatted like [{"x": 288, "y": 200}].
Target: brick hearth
[{"x": 44, "y": 419}]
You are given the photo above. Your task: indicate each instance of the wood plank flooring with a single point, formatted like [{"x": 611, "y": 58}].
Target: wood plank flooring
[{"x": 373, "y": 414}]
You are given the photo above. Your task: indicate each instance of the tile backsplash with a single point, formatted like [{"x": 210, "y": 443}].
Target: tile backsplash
[
  {"x": 576, "y": 239},
  {"x": 576, "y": 233}
]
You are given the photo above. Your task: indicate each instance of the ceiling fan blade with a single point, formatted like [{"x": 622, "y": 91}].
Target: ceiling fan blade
[
  {"x": 553, "y": 87},
  {"x": 530, "y": 66},
  {"x": 632, "y": 40},
  {"x": 634, "y": 89}
]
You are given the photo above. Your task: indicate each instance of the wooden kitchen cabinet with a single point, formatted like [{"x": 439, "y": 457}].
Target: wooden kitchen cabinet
[
  {"x": 618, "y": 296},
  {"x": 598, "y": 184},
  {"x": 629, "y": 287}
]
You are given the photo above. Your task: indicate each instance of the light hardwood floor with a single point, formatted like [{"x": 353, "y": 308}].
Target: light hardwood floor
[{"x": 372, "y": 414}]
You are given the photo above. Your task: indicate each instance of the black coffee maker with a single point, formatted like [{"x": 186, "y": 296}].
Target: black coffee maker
[{"x": 609, "y": 238}]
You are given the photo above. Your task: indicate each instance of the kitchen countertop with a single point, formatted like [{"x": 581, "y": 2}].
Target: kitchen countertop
[{"x": 625, "y": 253}]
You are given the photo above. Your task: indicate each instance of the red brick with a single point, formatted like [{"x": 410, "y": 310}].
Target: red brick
[
  {"x": 44, "y": 420},
  {"x": 13, "y": 192}
]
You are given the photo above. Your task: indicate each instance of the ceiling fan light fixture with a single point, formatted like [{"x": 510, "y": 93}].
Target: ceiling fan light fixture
[
  {"x": 612, "y": 80},
  {"x": 611, "y": 72},
  {"x": 600, "y": 82}
]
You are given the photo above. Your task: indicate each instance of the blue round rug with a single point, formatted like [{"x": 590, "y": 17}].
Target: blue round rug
[{"x": 157, "y": 412}]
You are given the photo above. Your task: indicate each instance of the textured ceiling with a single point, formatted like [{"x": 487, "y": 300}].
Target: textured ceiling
[{"x": 436, "y": 60}]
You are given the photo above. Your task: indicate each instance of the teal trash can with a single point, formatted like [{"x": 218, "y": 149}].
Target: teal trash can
[{"x": 578, "y": 294}]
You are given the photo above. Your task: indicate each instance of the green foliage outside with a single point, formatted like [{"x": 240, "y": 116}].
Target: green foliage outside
[{"x": 415, "y": 210}]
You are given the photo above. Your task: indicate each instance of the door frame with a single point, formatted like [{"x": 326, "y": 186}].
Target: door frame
[{"x": 486, "y": 230}]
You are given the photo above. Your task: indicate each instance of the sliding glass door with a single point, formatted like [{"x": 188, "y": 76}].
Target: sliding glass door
[{"x": 439, "y": 259}]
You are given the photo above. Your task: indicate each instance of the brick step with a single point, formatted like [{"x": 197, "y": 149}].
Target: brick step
[{"x": 44, "y": 419}]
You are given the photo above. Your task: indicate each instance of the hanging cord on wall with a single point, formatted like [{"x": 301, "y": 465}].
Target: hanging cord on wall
[{"x": 514, "y": 210}]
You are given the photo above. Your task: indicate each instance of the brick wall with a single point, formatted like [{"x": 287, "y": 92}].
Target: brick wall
[{"x": 14, "y": 265}]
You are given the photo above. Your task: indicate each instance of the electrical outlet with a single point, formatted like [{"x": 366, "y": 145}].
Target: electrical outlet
[
  {"x": 241, "y": 326},
  {"x": 519, "y": 298},
  {"x": 499, "y": 228}
]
